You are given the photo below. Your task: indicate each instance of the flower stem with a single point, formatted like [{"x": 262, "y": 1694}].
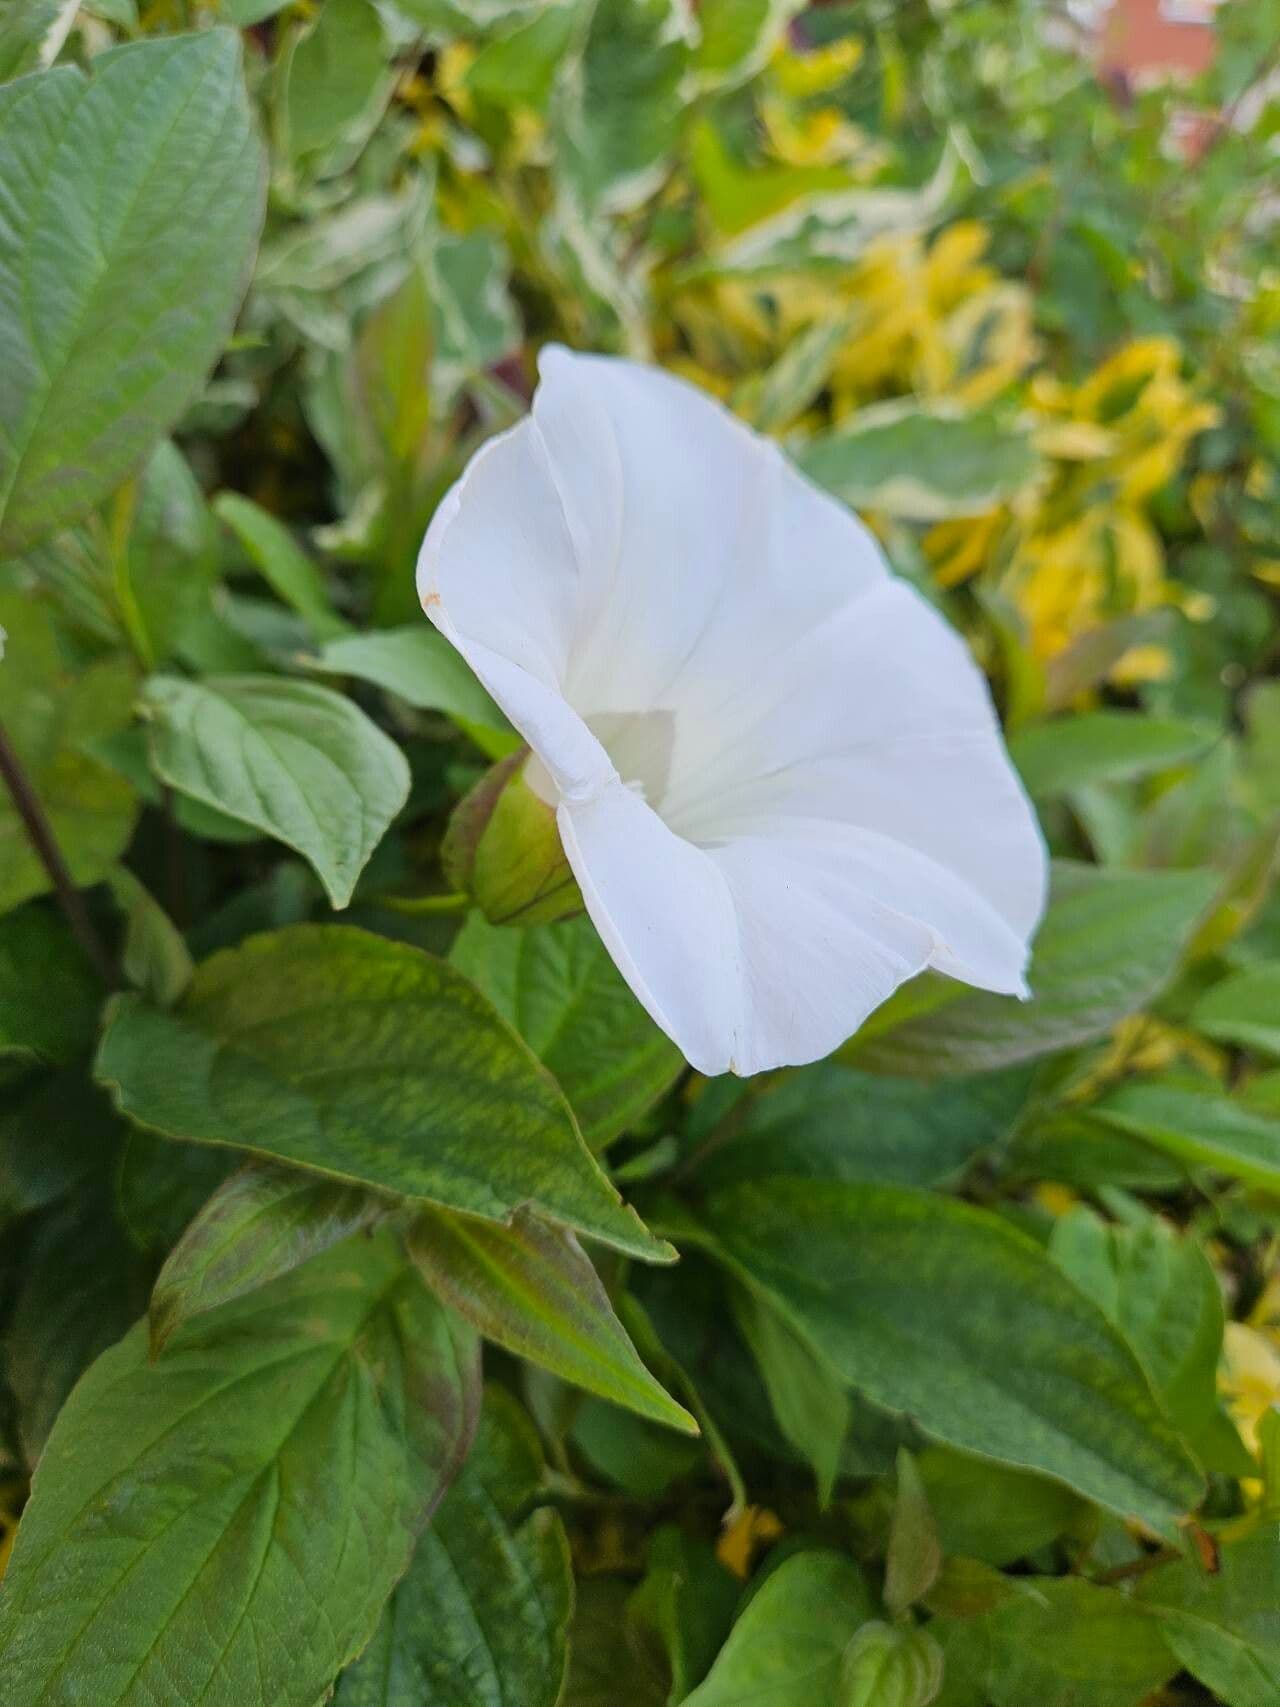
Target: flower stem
[
  {"x": 40, "y": 834},
  {"x": 416, "y": 904}
]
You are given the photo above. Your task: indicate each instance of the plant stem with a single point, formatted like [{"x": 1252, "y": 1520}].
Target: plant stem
[
  {"x": 40, "y": 834},
  {"x": 413, "y": 905}
]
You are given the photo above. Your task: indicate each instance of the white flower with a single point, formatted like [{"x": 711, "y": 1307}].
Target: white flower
[{"x": 778, "y": 776}]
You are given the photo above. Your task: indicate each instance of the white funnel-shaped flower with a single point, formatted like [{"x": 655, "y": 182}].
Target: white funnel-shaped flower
[{"x": 778, "y": 775}]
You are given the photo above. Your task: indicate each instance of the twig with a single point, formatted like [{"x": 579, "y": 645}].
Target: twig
[{"x": 40, "y": 834}]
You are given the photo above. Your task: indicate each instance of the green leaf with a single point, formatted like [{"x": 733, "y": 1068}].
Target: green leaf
[
  {"x": 166, "y": 563},
  {"x": 31, "y": 32},
  {"x": 163, "y": 1186},
  {"x": 338, "y": 78},
  {"x": 736, "y": 37},
  {"x": 320, "y": 1418},
  {"x": 914, "y": 1557},
  {"x": 1201, "y": 1128},
  {"x": 619, "y": 105},
  {"x": 475, "y": 319},
  {"x": 1109, "y": 943},
  {"x": 530, "y": 1288},
  {"x": 517, "y": 68},
  {"x": 558, "y": 986},
  {"x": 810, "y": 1405},
  {"x": 921, "y": 462},
  {"x": 786, "y": 1648},
  {"x": 260, "y": 1224},
  {"x": 1225, "y": 1626},
  {"x": 155, "y": 959},
  {"x": 990, "y": 1512},
  {"x": 1014, "y": 1365},
  {"x": 482, "y": 1616},
  {"x": 51, "y": 1017},
  {"x": 786, "y": 388},
  {"x": 1243, "y": 1009},
  {"x": 56, "y": 1131},
  {"x": 633, "y": 1454},
  {"x": 132, "y": 202},
  {"x": 419, "y": 666},
  {"x": 79, "y": 1287},
  {"x": 247, "y": 12},
  {"x": 680, "y": 1614},
  {"x": 1160, "y": 1290},
  {"x": 830, "y": 1122},
  {"x": 809, "y": 218},
  {"x": 52, "y": 714},
  {"x": 1062, "y": 1643},
  {"x": 1103, "y": 746},
  {"x": 372, "y": 1062},
  {"x": 283, "y": 563},
  {"x": 888, "y": 1667},
  {"x": 297, "y": 761},
  {"x": 604, "y": 1671}
]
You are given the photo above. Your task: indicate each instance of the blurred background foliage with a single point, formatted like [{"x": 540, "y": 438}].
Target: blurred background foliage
[{"x": 1028, "y": 323}]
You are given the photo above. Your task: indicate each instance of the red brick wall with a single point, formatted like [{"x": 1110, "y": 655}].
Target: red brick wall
[{"x": 1140, "y": 38}]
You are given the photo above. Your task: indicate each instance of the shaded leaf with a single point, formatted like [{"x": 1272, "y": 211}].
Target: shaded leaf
[
  {"x": 602, "y": 1669},
  {"x": 81, "y": 1286},
  {"x": 1066, "y": 1644},
  {"x": 1108, "y": 944},
  {"x": 1243, "y": 1009},
  {"x": 811, "y": 1407},
  {"x": 52, "y": 714},
  {"x": 531, "y": 1288},
  {"x": 914, "y": 1556},
  {"x": 786, "y": 1648},
  {"x": 1225, "y": 1627},
  {"x": 1103, "y": 746},
  {"x": 1161, "y": 1292},
  {"x": 49, "y": 994},
  {"x": 1015, "y": 1365},
  {"x": 481, "y": 1618},
  {"x": 831, "y": 1122},
  {"x": 1199, "y": 1127},
  {"x": 282, "y": 561},
  {"x": 991, "y": 1512},
  {"x": 154, "y": 959},
  {"x": 321, "y": 1417},
  {"x": 681, "y": 1612},
  {"x": 559, "y": 987},
  {"x": 260, "y": 1224}
]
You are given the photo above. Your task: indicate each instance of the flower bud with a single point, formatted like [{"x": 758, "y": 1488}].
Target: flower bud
[
  {"x": 503, "y": 848},
  {"x": 890, "y": 1666}
]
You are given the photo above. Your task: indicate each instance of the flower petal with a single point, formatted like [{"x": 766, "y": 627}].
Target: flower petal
[
  {"x": 684, "y": 527},
  {"x": 762, "y": 954},
  {"x": 878, "y": 720},
  {"x": 664, "y": 914},
  {"x": 497, "y": 576},
  {"x": 828, "y": 805}
]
